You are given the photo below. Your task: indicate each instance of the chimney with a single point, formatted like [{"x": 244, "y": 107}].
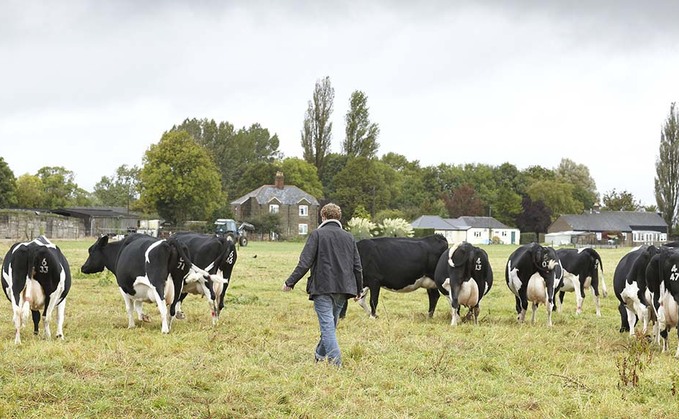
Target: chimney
[{"x": 280, "y": 183}]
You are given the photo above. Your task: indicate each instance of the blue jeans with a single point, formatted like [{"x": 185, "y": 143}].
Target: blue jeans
[{"x": 328, "y": 307}]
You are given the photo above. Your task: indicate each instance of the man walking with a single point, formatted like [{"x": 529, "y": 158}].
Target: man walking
[{"x": 336, "y": 274}]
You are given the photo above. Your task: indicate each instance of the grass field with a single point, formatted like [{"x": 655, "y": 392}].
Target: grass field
[{"x": 258, "y": 361}]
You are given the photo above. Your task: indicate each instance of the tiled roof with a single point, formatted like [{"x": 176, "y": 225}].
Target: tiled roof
[
  {"x": 615, "y": 221},
  {"x": 288, "y": 195}
]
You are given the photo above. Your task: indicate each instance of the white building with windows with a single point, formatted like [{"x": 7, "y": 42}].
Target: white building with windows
[{"x": 475, "y": 230}]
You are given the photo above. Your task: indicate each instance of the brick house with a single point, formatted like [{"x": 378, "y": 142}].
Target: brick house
[{"x": 299, "y": 211}]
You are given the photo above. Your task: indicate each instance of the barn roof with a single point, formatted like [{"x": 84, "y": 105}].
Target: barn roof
[
  {"x": 96, "y": 212},
  {"x": 625, "y": 221},
  {"x": 287, "y": 195}
]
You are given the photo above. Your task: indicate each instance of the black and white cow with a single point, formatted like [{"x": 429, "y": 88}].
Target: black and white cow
[
  {"x": 580, "y": 272},
  {"x": 662, "y": 280},
  {"x": 464, "y": 274},
  {"x": 629, "y": 284},
  {"x": 400, "y": 264},
  {"x": 36, "y": 276},
  {"x": 147, "y": 269},
  {"x": 532, "y": 272},
  {"x": 215, "y": 255}
]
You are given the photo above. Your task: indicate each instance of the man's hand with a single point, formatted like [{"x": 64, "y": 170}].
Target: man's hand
[{"x": 286, "y": 288}]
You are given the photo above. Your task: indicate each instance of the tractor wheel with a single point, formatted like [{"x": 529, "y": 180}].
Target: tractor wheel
[{"x": 243, "y": 241}]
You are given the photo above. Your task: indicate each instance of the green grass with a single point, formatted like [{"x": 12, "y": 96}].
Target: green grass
[{"x": 258, "y": 361}]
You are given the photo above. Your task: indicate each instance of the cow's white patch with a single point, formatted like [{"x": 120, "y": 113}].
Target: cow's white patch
[
  {"x": 635, "y": 309},
  {"x": 514, "y": 280},
  {"x": 424, "y": 282},
  {"x": 452, "y": 250},
  {"x": 148, "y": 251}
]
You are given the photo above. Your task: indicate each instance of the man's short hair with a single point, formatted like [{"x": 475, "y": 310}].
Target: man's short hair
[{"x": 331, "y": 212}]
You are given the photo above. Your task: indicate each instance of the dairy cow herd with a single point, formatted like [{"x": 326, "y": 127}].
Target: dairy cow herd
[{"x": 36, "y": 277}]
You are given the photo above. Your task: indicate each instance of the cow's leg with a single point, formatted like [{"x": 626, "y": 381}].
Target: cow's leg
[
  {"x": 129, "y": 305},
  {"x": 595, "y": 296},
  {"x": 361, "y": 300},
  {"x": 475, "y": 310},
  {"x": 454, "y": 305},
  {"x": 624, "y": 321},
  {"x": 374, "y": 298},
  {"x": 35, "y": 314},
  {"x": 434, "y": 295},
  {"x": 520, "y": 310},
  {"x": 665, "y": 344},
  {"x": 178, "y": 307},
  {"x": 550, "y": 308},
  {"x": 534, "y": 306},
  {"x": 579, "y": 288},
  {"x": 138, "y": 308},
  {"x": 17, "y": 317},
  {"x": 61, "y": 311},
  {"x": 47, "y": 315},
  {"x": 559, "y": 301},
  {"x": 632, "y": 319}
]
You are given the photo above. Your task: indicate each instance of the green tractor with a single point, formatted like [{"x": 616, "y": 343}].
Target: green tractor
[{"x": 227, "y": 227}]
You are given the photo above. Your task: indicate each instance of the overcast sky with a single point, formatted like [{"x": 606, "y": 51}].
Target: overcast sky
[{"x": 89, "y": 85}]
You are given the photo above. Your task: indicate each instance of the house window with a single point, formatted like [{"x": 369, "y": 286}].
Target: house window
[
  {"x": 504, "y": 233},
  {"x": 477, "y": 234},
  {"x": 303, "y": 212},
  {"x": 303, "y": 229},
  {"x": 273, "y": 208}
]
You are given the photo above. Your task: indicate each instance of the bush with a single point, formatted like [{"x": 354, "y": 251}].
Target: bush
[
  {"x": 395, "y": 227},
  {"x": 361, "y": 228}
]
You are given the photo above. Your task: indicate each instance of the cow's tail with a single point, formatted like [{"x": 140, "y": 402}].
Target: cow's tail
[{"x": 602, "y": 279}]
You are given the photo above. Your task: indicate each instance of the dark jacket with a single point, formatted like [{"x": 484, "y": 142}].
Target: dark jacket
[{"x": 331, "y": 254}]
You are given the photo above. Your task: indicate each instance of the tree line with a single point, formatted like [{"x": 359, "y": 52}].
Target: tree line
[{"x": 200, "y": 165}]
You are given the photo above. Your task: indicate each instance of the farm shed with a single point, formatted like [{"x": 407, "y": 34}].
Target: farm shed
[
  {"x": 627, "y": 228},
  {"x": 103, "y": 220},
  {"x": 23, "y": 224}
]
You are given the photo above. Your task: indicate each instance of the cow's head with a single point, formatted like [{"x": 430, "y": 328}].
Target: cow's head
[{"x": 96, "y": 261}]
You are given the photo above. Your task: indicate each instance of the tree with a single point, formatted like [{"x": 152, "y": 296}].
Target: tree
[
  {"x": 667, "y": 168},
  {"x": 179, "y": 179},
  {"x": 361, "y": 134},
  {"x": 536, "y": 216},
  {"x": 119, "y": 190},
  {"x": 8, "y": 196},
  {"x": 317, "y": 129},
  {"x": 366, "y": 182},
  {"x": 463, "y": 201},
  {"x": 30, "y": 192},
  {"x": 584, "y": 187},
  {"x": 234, "y": 151},
  {"x": 556, "y": 195},
  {"x": 59, "y": 186},
  {"x": 623, "y": 201},
  {"x": 302, "y": 174}
]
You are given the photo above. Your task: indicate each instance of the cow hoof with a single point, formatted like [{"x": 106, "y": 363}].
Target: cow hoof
[
  {"x": 60, "y": 337},
  {"x": 180, "y": 315},
  {"x": 145, "y": 318}
]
